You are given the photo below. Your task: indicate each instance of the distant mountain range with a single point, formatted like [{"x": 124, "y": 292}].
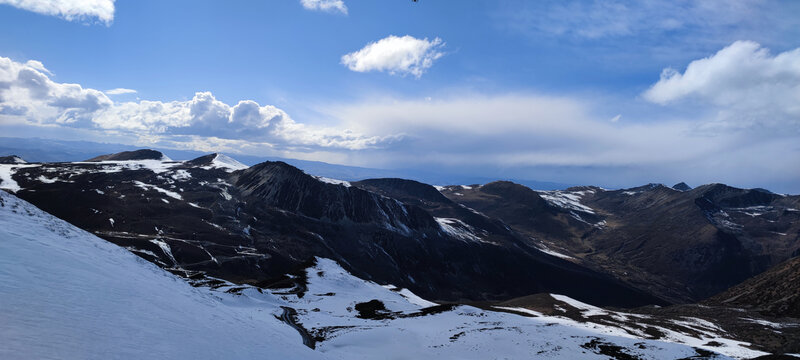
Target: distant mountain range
[
  {"x": 48, "y": 150},
  {"x": 219, "y": 223}
]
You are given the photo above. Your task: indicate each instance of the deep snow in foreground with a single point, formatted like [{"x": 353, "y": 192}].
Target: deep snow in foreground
[{"x": 67, "y": 294}]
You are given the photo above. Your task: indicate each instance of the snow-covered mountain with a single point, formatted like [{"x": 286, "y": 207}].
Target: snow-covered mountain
[
  {"x": 66, "y": 294},
  {"x": 214, "y": 216}
]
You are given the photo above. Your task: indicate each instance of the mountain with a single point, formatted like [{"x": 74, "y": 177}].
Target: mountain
[
  {"x": 251, "y": 225},
  {"x": 67, "y": 294},
  {"x": 215, "y": 216},
  {"x": 50, "y": 150},
  {"x": 144, "y": 154},
  {"x": 11, "y": 159},
  {"x": 775, "y": 292},
  {"x": 682, "y": 186},
  {"x": 683, "y": 246}
]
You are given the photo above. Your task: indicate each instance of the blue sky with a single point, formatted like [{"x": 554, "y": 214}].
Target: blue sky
[{"x": 615, "y": 93}]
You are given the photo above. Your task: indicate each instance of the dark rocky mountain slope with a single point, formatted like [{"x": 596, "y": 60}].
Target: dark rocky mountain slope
[
  {"x": 775, "y": 292},
  {"x": 213, "y": 216},
  {"x": 681, "y": 245}
]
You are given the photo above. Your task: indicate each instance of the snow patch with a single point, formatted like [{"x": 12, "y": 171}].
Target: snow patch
[
  {"x": 570, "y": 200},
  {"x": 7, "y": 182},
  {"x": 332, "y": 181},
  {"x": 458, "y": 229},
  {"x": 226, "y": 163},
  {"x": 171, "y": 194}
]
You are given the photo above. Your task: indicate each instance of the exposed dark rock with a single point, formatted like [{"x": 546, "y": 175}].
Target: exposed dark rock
[
  {"x": 144, "y": 154},
  {"x": 682, "y": 186},
  {"x": 681, "y": 245}
]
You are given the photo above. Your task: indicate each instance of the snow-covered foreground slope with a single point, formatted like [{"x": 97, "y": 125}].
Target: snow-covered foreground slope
[
  {"x": 410, "y": 329},
  {"x": 67, "y": 294}
]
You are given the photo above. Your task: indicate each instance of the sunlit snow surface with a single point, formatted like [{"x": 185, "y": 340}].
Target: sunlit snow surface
[
  {"x": 570, "y": 200},
  {"x": 69, "y": 295},
  {"x": 66, "y": 294},
  {"x": 226, "y": 163},
  {"x": 332, "y": 181}
]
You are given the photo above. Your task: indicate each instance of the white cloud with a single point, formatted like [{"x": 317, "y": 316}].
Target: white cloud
[
  {"x": 28, "y": 96},
  {"x": 120, "y": 91},
  {"x": 26, "y": 91},
  {"x": 71, "y": 10},
  {"x": 325, "y": 5},
  {"x": 746, "y": 84},
  {"x": 396, "y": 55},
  {"x": 564, "y": 138}
]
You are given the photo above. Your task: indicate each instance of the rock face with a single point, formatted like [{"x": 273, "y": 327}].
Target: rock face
[
  {"x": 775, "y": 292},
  {"x": 252, "y": 225},
  {"x": 681, "y": 245},
  {"x": 145, "y": 154}
]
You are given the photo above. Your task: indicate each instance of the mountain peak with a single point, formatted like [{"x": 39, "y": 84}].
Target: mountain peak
[
  {"x": 12, "y": 159},
  {"x": 217, "y": 160},
  {"x": 143, "y": 154},
  {"x": 682, "y": 186}
]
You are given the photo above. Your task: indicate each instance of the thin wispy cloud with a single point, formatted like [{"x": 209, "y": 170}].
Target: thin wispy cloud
[
  {"x": 325, "y": 5},
  {"x": 597, "y": 19},
  {"x": 120, "y": 91},
  {"x": 404, "y": 55},
  {"x": 71, "y": 10}
]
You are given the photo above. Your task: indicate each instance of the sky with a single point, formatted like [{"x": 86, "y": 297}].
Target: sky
[{"x": 610, "y": 93}]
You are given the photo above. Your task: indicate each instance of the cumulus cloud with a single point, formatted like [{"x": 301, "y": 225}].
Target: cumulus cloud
[
  {"x": 396, "y": 55},
  {"x": 71, "y": 10},
  {"x": 120, "y": 91},
  {"x": 27, "y": 91},
  {"x": 325, "y": 5},
  {"x": 744, "y": 82},
  {"x": 29, "y": 96}
]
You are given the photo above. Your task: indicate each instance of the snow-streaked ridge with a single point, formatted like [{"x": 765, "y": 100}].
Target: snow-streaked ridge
[{"x": 570, "y": 200}]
